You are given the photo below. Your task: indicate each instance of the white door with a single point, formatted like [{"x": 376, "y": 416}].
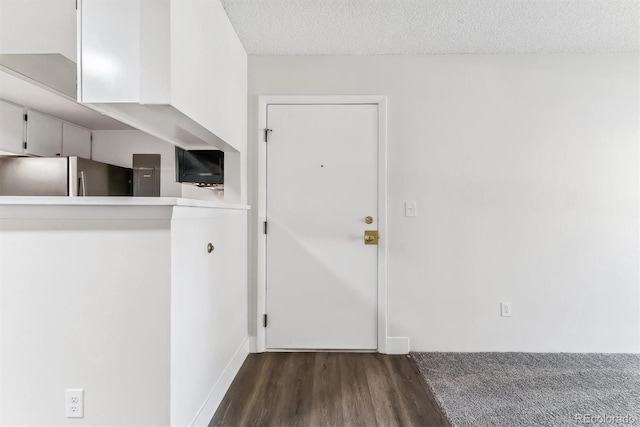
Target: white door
[{"x": 322, "y": 183}]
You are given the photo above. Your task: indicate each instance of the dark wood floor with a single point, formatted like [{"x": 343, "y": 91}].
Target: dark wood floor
[{"x": 328, "y": 389}]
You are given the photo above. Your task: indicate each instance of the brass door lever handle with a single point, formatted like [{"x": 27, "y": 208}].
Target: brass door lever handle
[{"x": 370, "y": 237}]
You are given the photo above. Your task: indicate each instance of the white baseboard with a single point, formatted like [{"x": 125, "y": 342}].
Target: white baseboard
[
  {"x": 253, "y": 344},
  {"x": 220, "y": 389},
  {"x": 398, "y": 345}
]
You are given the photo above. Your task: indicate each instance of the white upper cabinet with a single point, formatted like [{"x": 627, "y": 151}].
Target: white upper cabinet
[
  {"x": 44, "y": 135},
  {"x": 76, "y": 141},
  {"x": 11, "y": 128},
  {"x": 172, "y": 68},
  {"x": 110, "y": 51}
]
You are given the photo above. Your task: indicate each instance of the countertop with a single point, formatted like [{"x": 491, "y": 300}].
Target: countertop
[{"x": 115, "y": 201}]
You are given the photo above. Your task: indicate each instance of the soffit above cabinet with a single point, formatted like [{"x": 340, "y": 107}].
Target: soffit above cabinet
[
  {"x": 54, "y": 71},
  {"x": 46, "y": 83}
]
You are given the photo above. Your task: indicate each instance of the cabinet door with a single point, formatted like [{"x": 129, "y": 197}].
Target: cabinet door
[
  {"x": 110, "y": 56},
  {"x": 76, "y": 141},
  {"x": 44, "y": 135},
  {"x": 208, "y": 301},
  {"x": 11, "y": 128}
]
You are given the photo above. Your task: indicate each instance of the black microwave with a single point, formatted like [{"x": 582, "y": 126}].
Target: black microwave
[{"x": 202, "y": 167}]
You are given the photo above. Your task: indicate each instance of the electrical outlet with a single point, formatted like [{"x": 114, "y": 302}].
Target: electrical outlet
[
  {"x": 74, "y": 403},
  {"x": 505, "y": 309}
]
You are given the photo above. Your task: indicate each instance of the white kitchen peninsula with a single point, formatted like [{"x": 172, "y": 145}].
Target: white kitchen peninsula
[{"x": 121, "y": 297}]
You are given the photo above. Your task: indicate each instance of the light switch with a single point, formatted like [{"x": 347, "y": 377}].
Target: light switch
[{"x": 410, "y": 209}]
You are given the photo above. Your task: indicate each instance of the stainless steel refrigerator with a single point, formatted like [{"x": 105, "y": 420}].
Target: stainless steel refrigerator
[{"x": 62, "y": 176}]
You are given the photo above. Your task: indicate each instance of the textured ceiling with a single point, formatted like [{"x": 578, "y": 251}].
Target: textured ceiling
[{"x": 368, "y": 27}]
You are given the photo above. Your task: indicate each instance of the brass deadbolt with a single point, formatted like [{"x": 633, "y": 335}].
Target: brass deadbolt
[
  {"x": 368, "y": 220},
  {"x": 210, "y": 248}
]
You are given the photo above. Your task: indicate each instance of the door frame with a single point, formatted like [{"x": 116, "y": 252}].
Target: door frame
[{"x": 261, "y": 291}]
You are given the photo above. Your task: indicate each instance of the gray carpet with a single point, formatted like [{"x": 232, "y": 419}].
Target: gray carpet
[{"x": 534, "y": 389}]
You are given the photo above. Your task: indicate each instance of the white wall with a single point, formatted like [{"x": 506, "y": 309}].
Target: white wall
[
  {"x": 125, "y": 303},
  {"x": 118, "y": 147},
  {"x": 38, "y": 26},
  {"x": 525, "y": 173},
  {"x": 84, "y": 303},
  {"x": 209, "y": 69},
  {"x": 209, "y": 76}
]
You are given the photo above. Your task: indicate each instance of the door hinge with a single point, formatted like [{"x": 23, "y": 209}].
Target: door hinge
[
  {"x": 266, "y": 134},
  {"x": 24, "y": 144},
  {"x": 264, "y": 320},
  {"x": 26, "y": 117},
  {"x": 264, "y": 227}
]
